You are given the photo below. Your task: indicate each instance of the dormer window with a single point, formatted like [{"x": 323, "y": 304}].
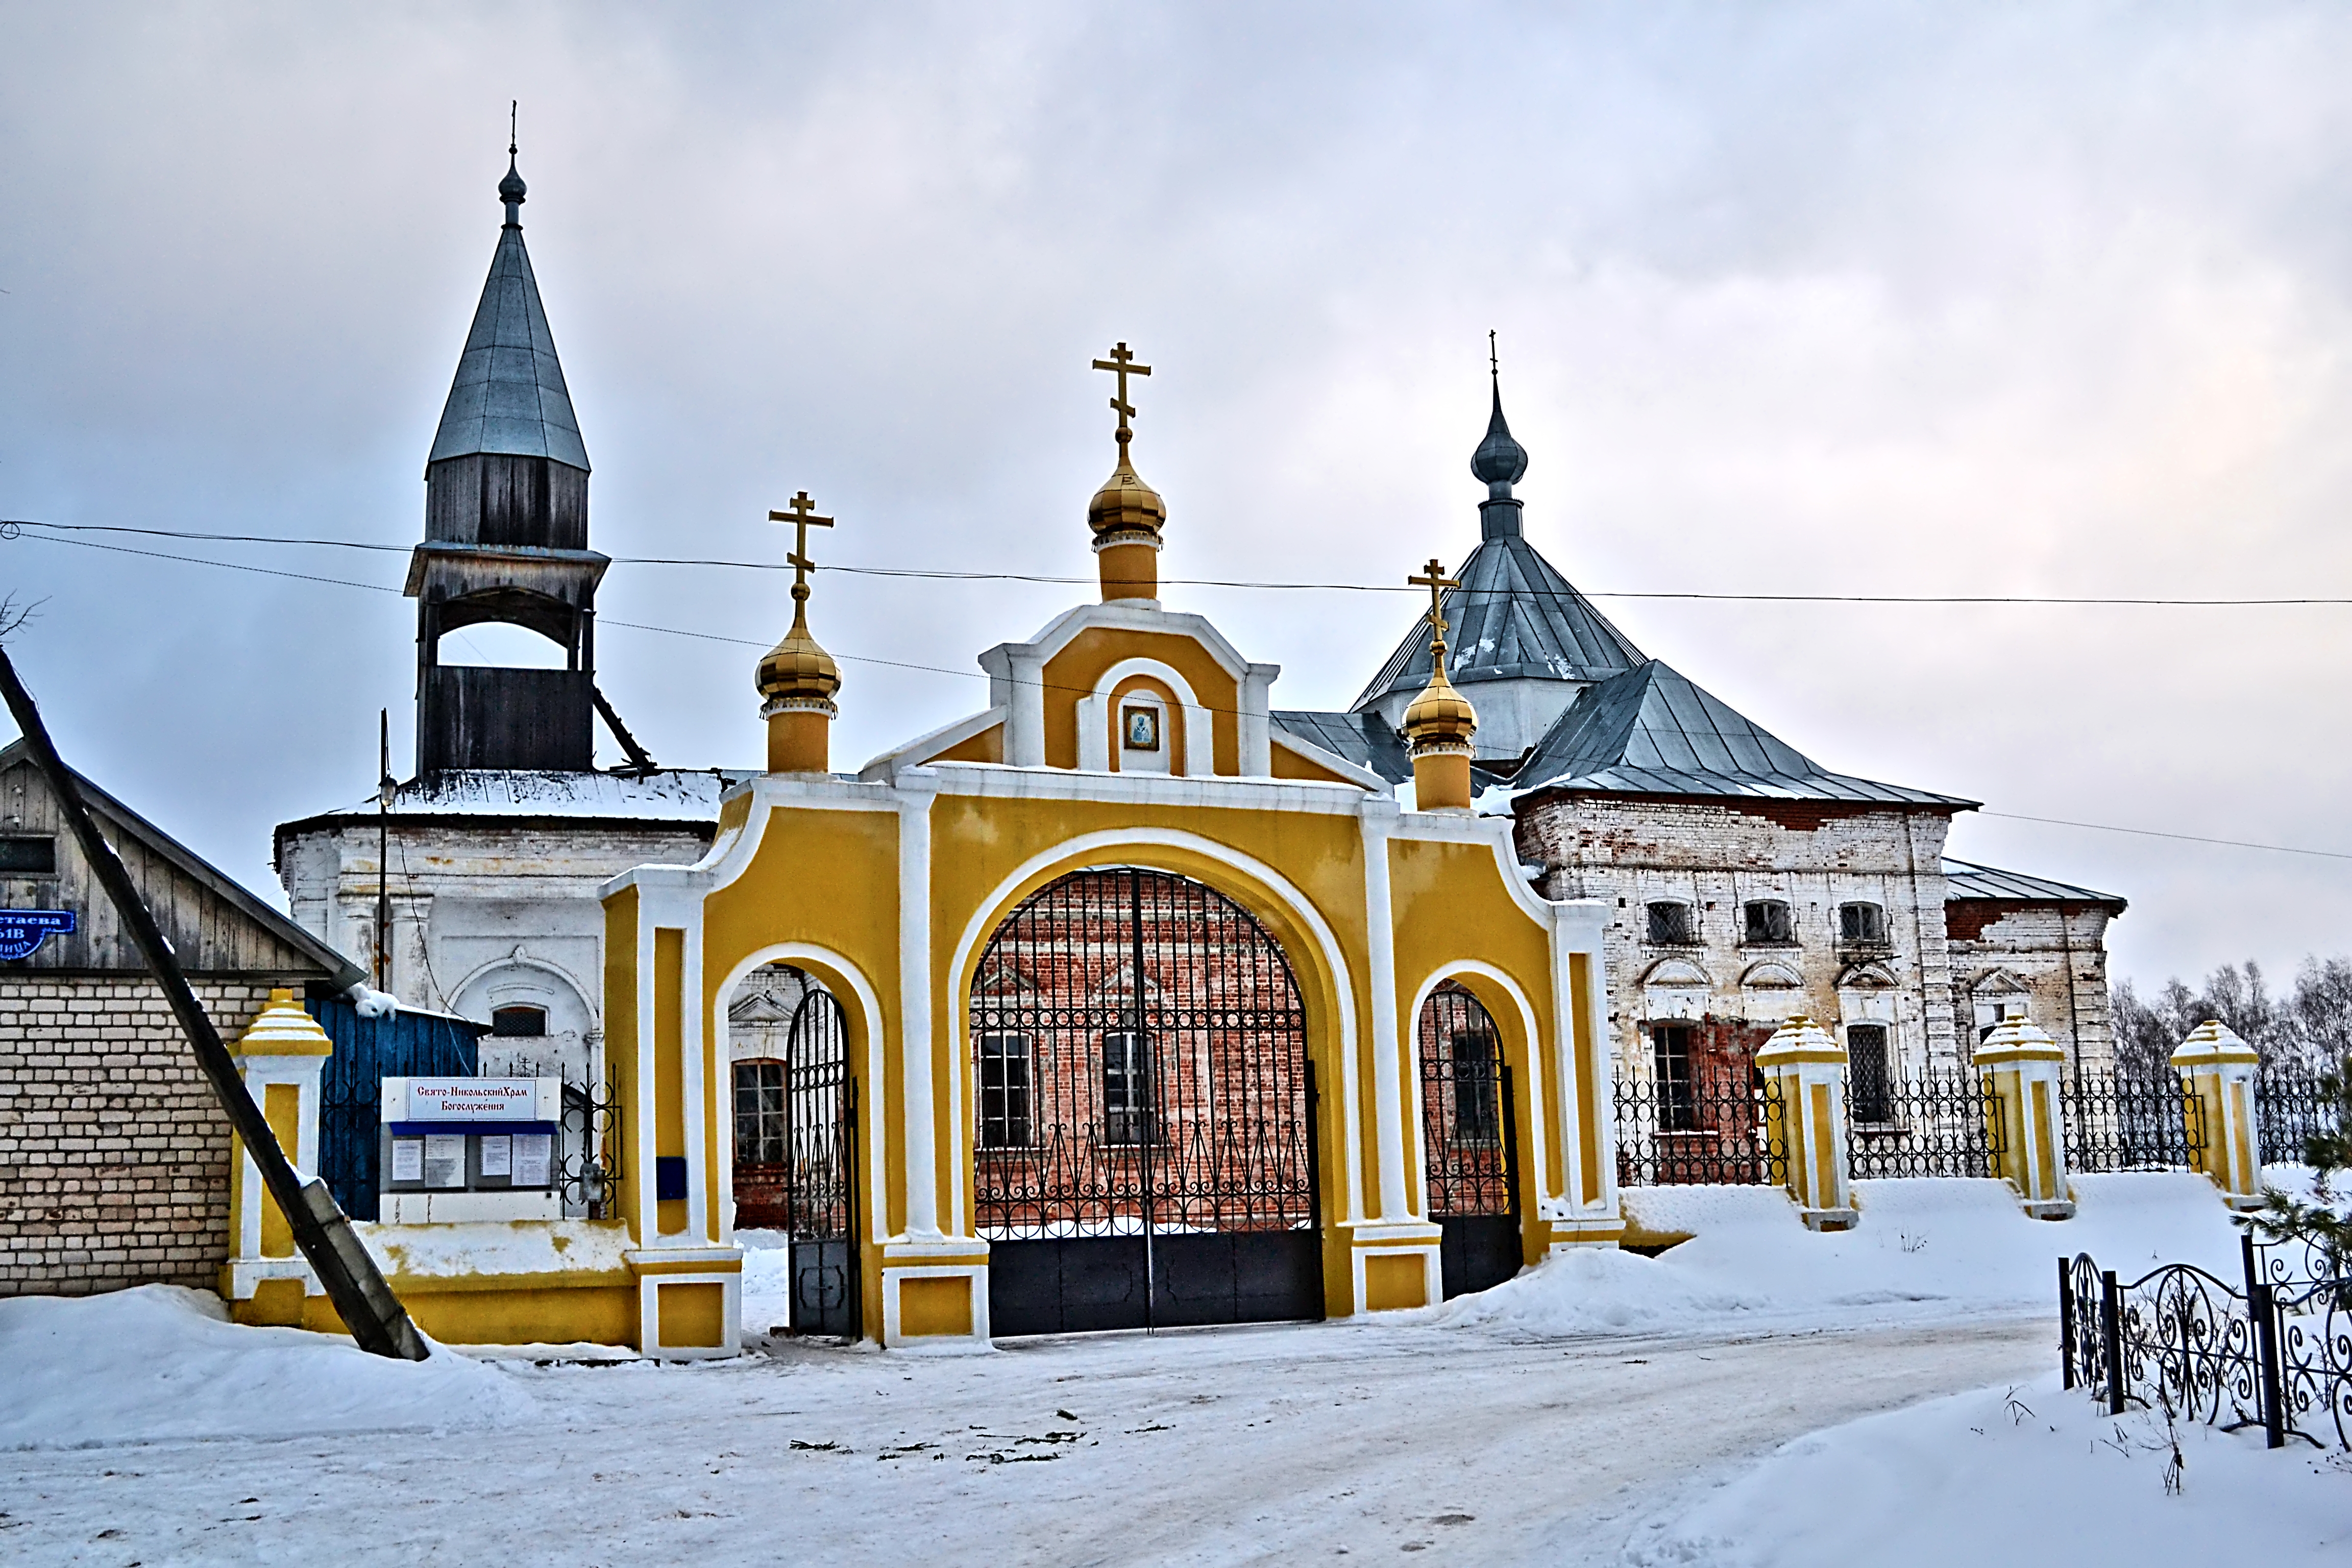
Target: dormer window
[
  {"x": 1671, "y": 924},
  {"x": 1766, "y": 923}
]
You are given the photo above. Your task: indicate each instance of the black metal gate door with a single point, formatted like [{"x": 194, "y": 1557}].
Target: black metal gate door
[
  {"x": 1470, "y": 1139},
  {"x": 1145, "y": 1147},
  {"x": 821, "y": 1161}
]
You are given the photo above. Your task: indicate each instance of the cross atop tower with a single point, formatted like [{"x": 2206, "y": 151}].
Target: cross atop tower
[
  {"x": 1436, "y": 582},
  {"x": 803, "y": 517},
  {"x": 1122, "y": 364}
]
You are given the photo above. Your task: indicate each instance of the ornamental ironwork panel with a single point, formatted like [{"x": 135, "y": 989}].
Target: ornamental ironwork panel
[
  {"x": 1697, "y": 1117},
  {"x": 2289, "y": 1107},
  {"x": 1935, "y": 1122},
  {"x": 2125, "y": 1122},
  {"x": 1139, "y": 1067},
  {"x": 1468, "y": 1133}
]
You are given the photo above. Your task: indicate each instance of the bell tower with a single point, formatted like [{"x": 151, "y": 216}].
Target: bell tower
[{"x": 506, "y": 540}]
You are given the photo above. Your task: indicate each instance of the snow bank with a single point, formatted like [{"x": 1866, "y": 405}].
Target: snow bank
[
  {"x": 1924, "y": 1249},
  {"x": 2043, "y": 1477},
  {"x": 160, "y": 1363}
]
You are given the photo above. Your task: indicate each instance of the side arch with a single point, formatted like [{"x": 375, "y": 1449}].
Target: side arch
[{"x": 1542, "y": 1172}]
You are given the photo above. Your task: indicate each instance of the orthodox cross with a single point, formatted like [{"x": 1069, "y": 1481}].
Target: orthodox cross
[
  {"x": 1494, "y": 365},
  {"x": 803, "y": 517},
  {"x": 1438, "y": 582},
  {"x": 1122, "y": 364}
]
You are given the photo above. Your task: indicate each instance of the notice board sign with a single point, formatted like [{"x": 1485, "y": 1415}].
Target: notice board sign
[{"x": 466, "y": 1102}]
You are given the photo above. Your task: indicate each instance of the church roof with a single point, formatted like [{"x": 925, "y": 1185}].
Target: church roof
[
  {"x": 510, "y": 396},
  {"x": 1514, "y": 615},
  {"x": 1363, "y": 739},
  {"x": 1649, "y": 731},
  {"x": 1965, "y": 879}
]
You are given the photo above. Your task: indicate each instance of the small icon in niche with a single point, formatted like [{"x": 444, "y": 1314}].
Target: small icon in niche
[{"x": 1143, "y": 729}]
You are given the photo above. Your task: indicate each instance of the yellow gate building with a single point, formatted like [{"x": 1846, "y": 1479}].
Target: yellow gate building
[{"x": 1148, "y": 1011}]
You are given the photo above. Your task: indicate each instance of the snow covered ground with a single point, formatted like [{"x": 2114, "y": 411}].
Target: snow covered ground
[{"x": 1602, "y": 1409}]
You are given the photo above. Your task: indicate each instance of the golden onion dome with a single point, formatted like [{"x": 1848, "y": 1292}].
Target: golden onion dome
[
  {"x": 1440, "y": 718},
  {"x": 1125, "y": 504},
  {"x": 797, "y": 669}
]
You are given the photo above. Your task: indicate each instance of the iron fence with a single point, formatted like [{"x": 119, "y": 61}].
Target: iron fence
[
  {"x": 2289, "y": 1107},
  {"x": 1936, "y": 1123},
  {"x": 2274, "y": 1352},
  {"x": 2126, "y": 1123},
  {"x": 1711, "y": 1128}
]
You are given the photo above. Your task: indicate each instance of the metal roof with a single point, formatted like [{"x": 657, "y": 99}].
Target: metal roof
[
  {"x": 1651, "y": 731},
  {"x": 510, "y": 396},
  {"x": 1965, "y": 879},
  {"x": 1514, "y": 616},
  {"x": 1364, "y": 738}
]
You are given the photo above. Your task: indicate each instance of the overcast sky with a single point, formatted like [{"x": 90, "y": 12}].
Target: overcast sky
[{"x": 1847, "y": 298}]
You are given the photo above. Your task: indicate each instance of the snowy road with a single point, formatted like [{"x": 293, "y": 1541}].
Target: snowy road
[{"x": 1232, "y": 1446}]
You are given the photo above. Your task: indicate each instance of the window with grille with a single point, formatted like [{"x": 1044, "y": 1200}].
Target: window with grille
[
  {"x": 28, "y": 855},
  {"x": 1769, "y": 923},
  {"x": 1477, "y": 1088},
  {"x": 1005, "y": 1085},
  {"x": 1868, "y": 1072},
  {"x": 514, "y": 1021},
  {"x": 1670, "y": 1047},
  {"x": 762, "y": 1132},
  {"x": 1862, "y": 923},
  {"x": 1671, "y": 922},
  {"x": 1125, "y": 1088}
]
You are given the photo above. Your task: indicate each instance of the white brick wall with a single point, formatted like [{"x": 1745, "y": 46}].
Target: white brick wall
[{"x": 114, "y": 1154}]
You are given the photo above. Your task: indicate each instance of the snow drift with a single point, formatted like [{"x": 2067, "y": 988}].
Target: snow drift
[{"x": 160, "y": 1363}]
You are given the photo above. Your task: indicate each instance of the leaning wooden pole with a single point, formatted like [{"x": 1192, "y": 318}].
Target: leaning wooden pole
[{"x": 356, "y": 1286}]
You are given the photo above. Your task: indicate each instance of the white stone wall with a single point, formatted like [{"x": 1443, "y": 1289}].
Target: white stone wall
[
  {"x": 485, "y": 914},
  {"x": 2050, "y": 958},
  {"x": 1718, "y": 856}
]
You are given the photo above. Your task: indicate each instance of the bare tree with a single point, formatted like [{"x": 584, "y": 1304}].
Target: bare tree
[{"x": 14, "y": 616}]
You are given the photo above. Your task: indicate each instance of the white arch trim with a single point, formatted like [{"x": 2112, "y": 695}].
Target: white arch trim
[
  {"x": 571, "y": 983},
  {"x": 873, "y": 1128},
  {"x": 989, "y": 914},
  {"x": 1536, "y": 1048},
  {"x": 1094, "y": 718}
]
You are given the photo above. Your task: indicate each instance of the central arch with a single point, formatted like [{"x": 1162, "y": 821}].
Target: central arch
[{"x": 1144, "y": 1140}]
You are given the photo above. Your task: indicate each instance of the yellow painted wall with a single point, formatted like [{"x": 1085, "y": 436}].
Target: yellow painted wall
[
  {"x": 1073, "y": 673},
  {"x": 988, "y": 746},
  {"x": 621, "y": 1033}
]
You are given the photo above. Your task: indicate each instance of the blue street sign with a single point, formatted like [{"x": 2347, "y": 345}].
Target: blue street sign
[{"x": 22, "y": 930}]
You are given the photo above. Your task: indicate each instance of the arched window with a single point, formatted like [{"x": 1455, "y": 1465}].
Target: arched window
[{"x": 510, "y": 1023}]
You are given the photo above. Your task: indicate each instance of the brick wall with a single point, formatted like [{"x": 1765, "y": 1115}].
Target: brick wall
[{"x": 114, "y": 1156}]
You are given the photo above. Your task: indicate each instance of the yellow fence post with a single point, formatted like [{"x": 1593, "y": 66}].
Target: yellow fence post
[
  {"x": 282, "y": 1055},
  {"x": 1806, "y": 1117},
  {"x": 2019, "y": 1067},
  {"x": 2217, "y": 1075}
]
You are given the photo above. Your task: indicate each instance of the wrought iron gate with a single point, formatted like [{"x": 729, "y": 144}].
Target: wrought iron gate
[
  {"x": 1469, "y": 1131},
  {"x": 1144, "y": 1143},
  {"x": 821, "y": 1165}
]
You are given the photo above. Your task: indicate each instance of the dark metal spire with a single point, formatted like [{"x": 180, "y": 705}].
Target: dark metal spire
[
  {"x": 1499, "y": 460},
  {"x": 511, "y": 188}
]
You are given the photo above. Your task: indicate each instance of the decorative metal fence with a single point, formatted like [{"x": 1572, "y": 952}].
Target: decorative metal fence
[
  {"x": 1703, "y": 1127},
  {"x": 2289, "y": 1108},
  {"x": 2130, "y": 1123},
  {"x": 2274, "y": 1354},
  {"x": 591, "y": 1149},
  {"x": 1933, "y": 1123}
]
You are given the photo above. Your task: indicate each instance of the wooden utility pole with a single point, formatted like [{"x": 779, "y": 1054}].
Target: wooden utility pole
[{"x": 354, "y": 1283}]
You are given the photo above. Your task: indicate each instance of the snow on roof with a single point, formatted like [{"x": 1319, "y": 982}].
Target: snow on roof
[{"x": 671, "y": 795}]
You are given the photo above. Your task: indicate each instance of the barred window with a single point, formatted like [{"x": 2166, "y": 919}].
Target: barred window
[
  {"x": 1477, "y": 1088},
  {"x": 1769, "y": 923},
  {"x": 1671, "y": 922},
  {"x": 1868, "y": 1072},
  {"x": 1862, "y": 922},
  {"x": 1126, "y": 1087},
  {"x": 1005, "y": 1086},
  {"x": 1670, "y": 1047},
  {"x": 517, "y": 1021},
  {"x": 760, "y": 1126}
]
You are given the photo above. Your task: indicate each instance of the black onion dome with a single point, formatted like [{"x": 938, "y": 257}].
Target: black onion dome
[
  {"x": 1499, "y": 459},
  {"x": 511, "y": 188}
]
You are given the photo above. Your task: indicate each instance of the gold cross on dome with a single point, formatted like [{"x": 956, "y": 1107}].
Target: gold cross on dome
[
  {"x": 1122, "y": 364},
  {"x": 1438, "y": 582},
  {"x": 803, "y": 517}
]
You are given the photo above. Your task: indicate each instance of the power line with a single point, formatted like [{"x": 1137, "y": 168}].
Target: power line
[
  {"x": 978, "y": 675},
  {"x": 934, "y": 575}
]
